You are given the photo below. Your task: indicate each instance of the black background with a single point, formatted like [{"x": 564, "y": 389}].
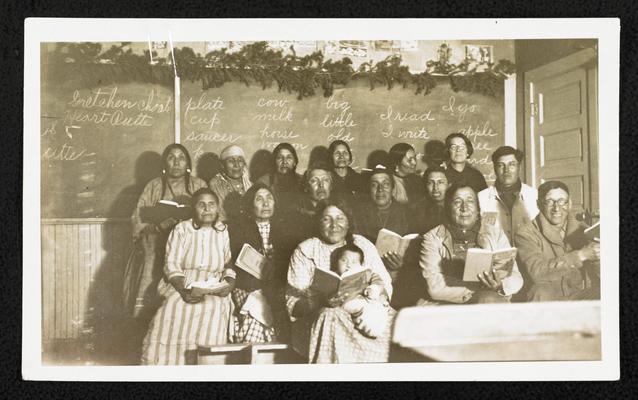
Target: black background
[{"x": 11, "y": 96}]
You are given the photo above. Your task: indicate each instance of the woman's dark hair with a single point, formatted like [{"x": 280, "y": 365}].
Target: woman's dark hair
[
  {"x": 545, "y": 187},
  {"x": 248, "y": 200},
  {"x": 344, "y": 207},
  {"x": 396, "y": 154},
  {"x": 187, "y": 176},
  {"x": 449, "y": 197},
  {"x": 285, "y": 146},
  {"x": 338, "y": 252},
  {"x": 468, "y": 142},
  {"x": 333, "y": 147},
  {"x": 199, "y": 193}
]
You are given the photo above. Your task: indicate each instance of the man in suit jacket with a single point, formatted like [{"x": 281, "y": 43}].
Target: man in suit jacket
[{"x": 556, "y": 258}]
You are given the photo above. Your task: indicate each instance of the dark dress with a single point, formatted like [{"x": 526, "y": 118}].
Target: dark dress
[
  {"x": 245, "y": 230},
  {"x": 352, "y": 184},
  {"x": 471, "y": 175},
  {"x": 408, "y": 284},
  {"x": 288, "y": 187}
]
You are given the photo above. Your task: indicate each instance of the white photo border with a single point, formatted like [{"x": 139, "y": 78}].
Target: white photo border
[{"x": 606, "y": 30}]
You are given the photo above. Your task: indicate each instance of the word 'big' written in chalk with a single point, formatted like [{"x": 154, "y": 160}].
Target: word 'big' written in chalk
[
  {"x": 342, "y": 120},
  {"x": 65, "y": 153},
  {"x": 109, "y": 99}
]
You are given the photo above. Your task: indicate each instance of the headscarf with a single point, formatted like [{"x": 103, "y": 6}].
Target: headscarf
[{"x": 235, "y": 151}]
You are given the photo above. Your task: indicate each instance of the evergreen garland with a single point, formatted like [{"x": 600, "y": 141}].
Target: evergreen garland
[{"x": 256, "y": 63}]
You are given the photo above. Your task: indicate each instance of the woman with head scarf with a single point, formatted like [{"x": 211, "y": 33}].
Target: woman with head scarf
[
  {"x": 284, "y": 179},
  {"x": 232, "y": 182}
]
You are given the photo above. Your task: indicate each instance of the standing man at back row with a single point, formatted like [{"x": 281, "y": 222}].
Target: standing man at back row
[{"x": 513, "y": 202}]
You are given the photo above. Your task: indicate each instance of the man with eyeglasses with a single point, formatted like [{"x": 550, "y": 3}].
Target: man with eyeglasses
[
  {"x": 509, "y": 202},
  {"x": 557, "y": 259}
]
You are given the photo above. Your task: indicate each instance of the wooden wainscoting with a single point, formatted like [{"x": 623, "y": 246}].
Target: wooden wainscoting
[{"x": 83, "y": 261}]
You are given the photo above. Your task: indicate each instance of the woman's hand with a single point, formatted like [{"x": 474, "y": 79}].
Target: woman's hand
[
  {"x": 373, "y": 319},
  {"x": 306, "y": 305},
  {"x": 168, "y": 223},
  {"x": 491, "y": 279},
  {"x": 188, "y": 297},
  {"x": 226, "y": 291},
  {"x": 336, "y": 301}
]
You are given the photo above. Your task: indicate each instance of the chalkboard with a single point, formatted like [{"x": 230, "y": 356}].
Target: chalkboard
[
  {"x": 369, "y": 120},
  {"x": 99, "y": 144}
]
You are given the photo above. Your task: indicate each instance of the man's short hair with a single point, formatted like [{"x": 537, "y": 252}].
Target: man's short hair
[
  {"x": 505, "y": 151},
  {"x": 380, "y": 169},
  {"x": 545, "y": 187},
  {"x": 431, "y": 170}
]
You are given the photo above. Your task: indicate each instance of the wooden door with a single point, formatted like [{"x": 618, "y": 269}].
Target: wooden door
[{"x": 562, "y": 124}]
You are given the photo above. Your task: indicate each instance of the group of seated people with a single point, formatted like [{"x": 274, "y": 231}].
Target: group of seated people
[{"x": 329, "y": 218}]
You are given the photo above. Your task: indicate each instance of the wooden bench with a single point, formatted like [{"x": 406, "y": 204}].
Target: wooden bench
[{"x": 248, "y": 353}]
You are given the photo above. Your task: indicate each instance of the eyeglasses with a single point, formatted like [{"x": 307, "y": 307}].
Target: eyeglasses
[
  {"x": 457, "y": 147},
  {"x": 561, "y": 202},
  {"x": 384, "y": 185}
]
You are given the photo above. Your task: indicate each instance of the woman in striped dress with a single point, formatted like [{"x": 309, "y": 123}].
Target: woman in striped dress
[{"x": 197, "y": 250}]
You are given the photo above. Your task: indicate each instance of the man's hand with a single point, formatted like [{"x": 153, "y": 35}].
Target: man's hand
[
  {"x": 491, "y": 280},
  {"x": 590, "y": 252},
  {"x": 392, "y": 260}
]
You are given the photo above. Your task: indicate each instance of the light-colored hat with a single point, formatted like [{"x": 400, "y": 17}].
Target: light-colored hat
[{"x": 232, "y": 151}]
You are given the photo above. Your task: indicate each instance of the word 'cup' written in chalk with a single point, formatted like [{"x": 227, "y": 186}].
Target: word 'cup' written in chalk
[
  {"x": 418, "y": 130},
  {"x": 338, "y": 120},
  {"x": 203, "y": 111}
]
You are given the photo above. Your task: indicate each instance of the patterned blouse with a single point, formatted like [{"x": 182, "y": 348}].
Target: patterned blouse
[{"x": 314, "y": 253}]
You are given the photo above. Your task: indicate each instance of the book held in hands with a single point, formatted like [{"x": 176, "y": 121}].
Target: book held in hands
[
  {"x": 478, "y": 260},
  {"x": 388, "y": 241},
  {"x": 165, "y": 209},
  {"x": 593, "y": 232},
  {"x": 251, "y": 261},
  {"x": 350, "y": 284},
  {"x": 207, "y": 287}
]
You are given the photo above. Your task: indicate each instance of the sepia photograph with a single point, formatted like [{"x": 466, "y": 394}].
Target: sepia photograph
[{"x": 397, "y": 203}]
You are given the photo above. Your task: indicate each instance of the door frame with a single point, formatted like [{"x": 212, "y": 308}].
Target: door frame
[{"x": 587, "y": 58}]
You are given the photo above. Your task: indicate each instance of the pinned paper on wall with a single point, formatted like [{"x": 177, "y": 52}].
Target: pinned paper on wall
[{"x": 352, "y": 48}]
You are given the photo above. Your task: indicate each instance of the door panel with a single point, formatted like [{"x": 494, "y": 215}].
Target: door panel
[{"x": 561, "y": 138}]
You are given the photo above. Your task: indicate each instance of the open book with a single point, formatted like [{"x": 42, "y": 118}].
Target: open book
[
  {"x": 390, "y": 241},
  {"x": 251, "y": 261},
  {"x": 350, "y": 284},
  {"x": 479, "y": 260},
  {"x": 164, "y": 210},
  {"x": 593, "y": 232},
  {"x": 210, "y": 286}
]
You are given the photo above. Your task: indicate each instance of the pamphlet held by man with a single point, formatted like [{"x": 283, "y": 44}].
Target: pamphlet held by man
[
  {"x": 593, "y": 232},
  {"x": 164, "y": 210},
  {"x": 350, "y": 284},
  {"x": 478, "y": 260},
  {"x": 209, "y": 286},
  {"x": 251, "y": 261},
  {"x": 388, "y": 241}
]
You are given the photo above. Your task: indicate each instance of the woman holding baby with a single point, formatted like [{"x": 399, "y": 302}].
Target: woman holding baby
[{"x": 338, "y": 330}]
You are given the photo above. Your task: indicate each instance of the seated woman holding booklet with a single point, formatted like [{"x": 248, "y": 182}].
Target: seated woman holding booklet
[
  {"x": 445, "y": 248},
  {"x": 260, "y": 314},
  {"x": 197, "y": 252},
  {"x": 322, "y": 329}
]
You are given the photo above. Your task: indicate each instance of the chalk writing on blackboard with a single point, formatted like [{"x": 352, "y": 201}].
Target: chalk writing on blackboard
[
  {"x": 341, "y": 119},
  {"x": 65, "y": 152},
  {"x": 417, "y": 132},
  {"x": 459, "y": 110}
]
